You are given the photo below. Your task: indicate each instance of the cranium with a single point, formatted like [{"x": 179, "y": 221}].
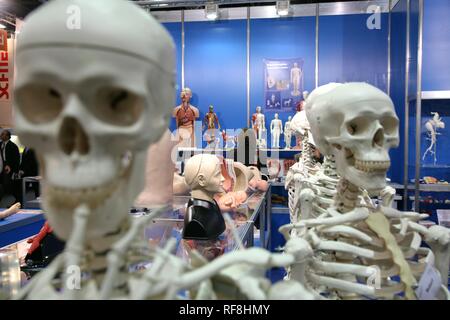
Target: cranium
[
  {"x": 90, "y": 103},
  {"x": 357, "y": 123}
]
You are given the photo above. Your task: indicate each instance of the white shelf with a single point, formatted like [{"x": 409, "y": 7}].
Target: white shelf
[{"x": 424, "y": 187}]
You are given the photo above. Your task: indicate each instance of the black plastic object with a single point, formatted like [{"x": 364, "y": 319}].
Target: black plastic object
[{"x": 203, "y": 220}]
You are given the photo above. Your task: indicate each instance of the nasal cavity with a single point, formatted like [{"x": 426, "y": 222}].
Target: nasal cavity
[
  {"x": 378, "y": 139},
  {"x": 72, "y": 137}
]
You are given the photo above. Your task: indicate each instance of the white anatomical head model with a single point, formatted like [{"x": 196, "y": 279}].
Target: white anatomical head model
[
  {"x": 289, "y": 118},
  {"x": 258, "y": 109},
  {"x": 356, "y": 123},
  {"x": 90, "y": 105},
  {"x": 203, "y": 174},
  {"x": 276, "y": 115}
]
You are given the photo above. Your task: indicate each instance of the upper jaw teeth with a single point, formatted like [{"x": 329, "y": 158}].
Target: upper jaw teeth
[
  {"x": 372, "y": 166},
  {"x": 94, "y": 196}
]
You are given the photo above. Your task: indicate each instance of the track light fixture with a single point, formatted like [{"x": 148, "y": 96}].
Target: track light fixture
[
  {"x": 283, "y": 8},
  {"x": 212, "y": 11}
]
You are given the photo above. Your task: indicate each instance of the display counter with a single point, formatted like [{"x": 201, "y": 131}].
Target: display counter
[
  {"x": 251, "y": 222},
  {"x": 24, "y": 224}
]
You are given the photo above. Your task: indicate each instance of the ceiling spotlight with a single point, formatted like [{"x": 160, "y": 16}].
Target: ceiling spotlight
[
  {"x": 211, "y": 11},
  {"x": 283, "y": 8},
  {"x": 2, "y": 26}
]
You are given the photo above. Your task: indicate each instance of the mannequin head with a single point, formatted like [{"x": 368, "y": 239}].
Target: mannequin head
[
  {"x": 211, "y": 109},
  {"x": 289, "y": 118},
  {"x": 186, "y": 95},
  {"x": 91, "y": 106},
  {"x": 204, "y": 176},
  {"x": 276, "y": 115},
  {"x": 258, "y": 109},
  {"x": 295, "y": 64}
]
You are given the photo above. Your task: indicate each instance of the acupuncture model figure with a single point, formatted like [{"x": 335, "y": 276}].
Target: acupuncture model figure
[
  {"x": 296, "y": 75},
  {"x": 288, "y": 133},
  {"x": 276, "y": 129},
  {"x": 185, "y": 115},
  {"x": 259, "y": 125},
  {"x": 432, "y": 126}
]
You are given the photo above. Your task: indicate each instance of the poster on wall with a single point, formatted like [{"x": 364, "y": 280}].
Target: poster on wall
[{"x": 283, "y": 84}]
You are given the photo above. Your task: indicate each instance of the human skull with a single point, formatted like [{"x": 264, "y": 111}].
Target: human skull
[
  {"x": 357, "y": 123},
  {"x": 90, "y": 105}
]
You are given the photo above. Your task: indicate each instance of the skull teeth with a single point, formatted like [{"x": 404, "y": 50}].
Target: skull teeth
[
  {"x": 372, "y": 166},
  {"x": 92, "y": 196}
]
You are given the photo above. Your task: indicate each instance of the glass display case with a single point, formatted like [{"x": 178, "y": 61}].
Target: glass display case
[
  {"x": 251, "y": 221},
  {"x": 429, "y": 164}
]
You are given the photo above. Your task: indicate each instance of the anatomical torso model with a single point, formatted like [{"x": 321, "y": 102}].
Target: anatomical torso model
[
  {"x": 355, "y": 249},
  {"x": 185, "y": 115},
  {"x": 276, "y": 129}
]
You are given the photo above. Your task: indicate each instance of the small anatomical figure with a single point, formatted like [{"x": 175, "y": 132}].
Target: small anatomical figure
[
  {"x": 185, "y": 115},
  {"x": 288, "y": 133},
  {"x": 259, "y": 125},
  {"x": 276, "y": 129}
]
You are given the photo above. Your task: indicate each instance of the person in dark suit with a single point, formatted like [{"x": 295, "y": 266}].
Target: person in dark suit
[
  {"x": 28, "y": 168},
  {"x": 11, "y": 161},
  {"x": 29, "y": 165}
]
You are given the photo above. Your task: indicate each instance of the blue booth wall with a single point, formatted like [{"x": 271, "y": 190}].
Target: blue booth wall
[
  {"x": 436, "y": 46},
  {"x": 349, "y": 51},
  {"x": 215, "y": 59},
  {"x": 435, "y": 77},
  {"x": 398, "y": 82},
  {"x": 174, "y": 29},
  {"x": 216, "y": 69},
  {"x": 280, "y": 39}
]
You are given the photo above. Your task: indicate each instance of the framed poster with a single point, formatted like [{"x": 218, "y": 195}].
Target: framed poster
[{"x": 283, "y": 84}]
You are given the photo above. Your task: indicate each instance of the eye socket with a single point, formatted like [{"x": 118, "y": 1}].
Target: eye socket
[
  {"x": 357, "y": 126},
  {"x": 390, "y": 125},
  {"x": 39, "y": 103},
  {"x": 118, "y": 106},
  {"x": 351, "y": 128}
]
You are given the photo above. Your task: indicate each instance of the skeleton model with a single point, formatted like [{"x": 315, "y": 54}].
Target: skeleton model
[
  {"x": 288, "y": 133},
  {"x": 259, "y": 125},
  {"x": 307, "y": 181},
  {"x": 276, "y": 129},
  {"x": 432, "y": 126},
  {"x": 355, "y": 249},
  {"x": 92, "y": 142},
  {"x": 91, "y": 122}
]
